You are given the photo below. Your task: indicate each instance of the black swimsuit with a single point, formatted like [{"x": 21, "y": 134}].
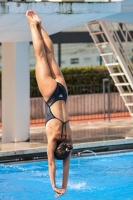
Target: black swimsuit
[{"x": 59, "y": 94}]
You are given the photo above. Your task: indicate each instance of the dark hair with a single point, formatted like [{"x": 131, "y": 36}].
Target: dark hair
[{"x": 62, "y": 150}]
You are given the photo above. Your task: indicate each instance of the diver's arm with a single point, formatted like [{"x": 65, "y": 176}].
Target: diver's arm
[
  {"x": 65, "y": 172},
  {"x": 51, "y": 161},
  {"x": 66, "y": 163},
  {"x": 52, "y": 168},
  {"x": 62, "y": 190}
]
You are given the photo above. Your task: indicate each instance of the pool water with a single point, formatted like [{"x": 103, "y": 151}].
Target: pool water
[{"x": 107, "y": 177}]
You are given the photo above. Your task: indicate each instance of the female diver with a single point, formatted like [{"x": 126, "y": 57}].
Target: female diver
[{"x": 53, "y": 88}]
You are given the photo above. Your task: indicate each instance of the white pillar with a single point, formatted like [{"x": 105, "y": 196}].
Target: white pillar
[{"x": 15, "y": 92}]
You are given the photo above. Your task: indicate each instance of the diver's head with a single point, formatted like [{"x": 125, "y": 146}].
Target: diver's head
[{"x": 62, "y": 150}]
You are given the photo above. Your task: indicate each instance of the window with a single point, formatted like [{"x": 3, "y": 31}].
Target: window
[{"x": 74, "y": 60}]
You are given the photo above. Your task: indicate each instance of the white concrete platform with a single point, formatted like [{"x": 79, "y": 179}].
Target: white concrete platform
[
  {"x": 103, "y": 143},
  {"x": 58, "y": 16},
  {"x": 23, "y": 148},
  {"x": 126, "y": 14},
  {"x": 55, "y": 16},
  {"x": 33, "y": 148}
]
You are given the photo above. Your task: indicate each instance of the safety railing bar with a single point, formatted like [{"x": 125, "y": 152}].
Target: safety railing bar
[
  {"x": 117, "y": 39},
  {"x": 128, "y": 34},
  {"x": 125, "y": 56}
]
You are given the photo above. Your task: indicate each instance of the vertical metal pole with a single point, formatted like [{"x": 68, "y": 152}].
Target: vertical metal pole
[
  {"x": 109, "y": 98},
  {"x": 59, "y": 54},
  {"x": 101, "y": 60},
  {"x": 104, "y": 99},
  {"x": 106, "y": 80}
]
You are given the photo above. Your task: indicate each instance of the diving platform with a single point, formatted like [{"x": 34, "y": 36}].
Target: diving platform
[{"x": 56, "y": 16}]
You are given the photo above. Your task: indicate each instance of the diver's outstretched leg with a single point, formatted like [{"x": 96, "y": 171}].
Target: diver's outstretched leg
[
  {"x": 44, "y": 78},
  {"x": 49, "y": 49}
]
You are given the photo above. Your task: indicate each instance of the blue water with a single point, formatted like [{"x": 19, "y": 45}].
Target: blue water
[{"x": 91, "y": 178}]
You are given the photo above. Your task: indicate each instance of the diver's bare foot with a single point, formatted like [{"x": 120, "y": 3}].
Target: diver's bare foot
[
  {"x": 30, "y": 18},
  {"x": 36, "y": 17}
]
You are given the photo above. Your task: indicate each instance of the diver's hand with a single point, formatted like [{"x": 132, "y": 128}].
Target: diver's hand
[
  {"x": 57, "y": 195},
  {"x": 55, "y": 188},
  {"x": 59, "y": 191}
]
